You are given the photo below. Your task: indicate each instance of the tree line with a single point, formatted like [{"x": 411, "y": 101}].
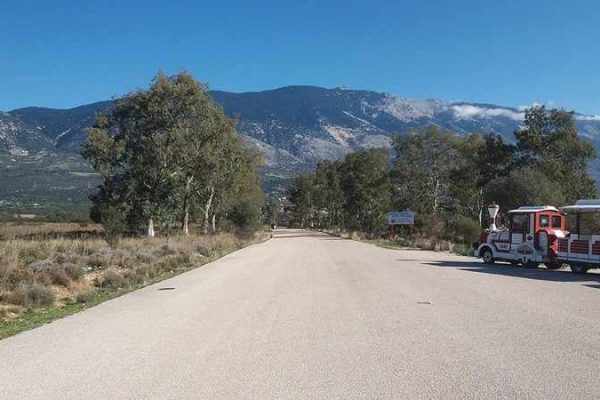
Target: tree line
[
  {"x": 169, "y": 156},
  {"x": 447, "y": 179}
]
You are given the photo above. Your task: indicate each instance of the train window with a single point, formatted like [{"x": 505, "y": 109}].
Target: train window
[
  {"x": 589, "y": 224},
  {"x": 544, "y": 221},
  {"x": 556, "y": 221},
  {"x": 571, "y": 223},
  {"x": 520, "y": 223}
]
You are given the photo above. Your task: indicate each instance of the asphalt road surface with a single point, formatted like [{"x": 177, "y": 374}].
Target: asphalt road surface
[{"x": 310, "y": 316}]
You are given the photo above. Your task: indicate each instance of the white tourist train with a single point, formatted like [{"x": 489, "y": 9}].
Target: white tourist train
[{"x": 546, "y": 235}]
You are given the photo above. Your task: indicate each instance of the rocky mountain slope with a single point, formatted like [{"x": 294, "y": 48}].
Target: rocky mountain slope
[{"x": 293, "y": 127}]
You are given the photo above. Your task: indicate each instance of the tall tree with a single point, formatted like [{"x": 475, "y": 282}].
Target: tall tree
[
  {"x": 422, "y": 170},
  {"x": 549, "y": 140},
  {"x": 302, "y": 197},
  {"x": 365, "y": 181},
  {"x": 164, "y": 152},
  {"x": 329, "y": 196},
  {"x": 480, "y": 161}
]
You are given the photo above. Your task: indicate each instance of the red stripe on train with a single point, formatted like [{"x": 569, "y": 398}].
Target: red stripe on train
[{"x": 580, "y": 246}]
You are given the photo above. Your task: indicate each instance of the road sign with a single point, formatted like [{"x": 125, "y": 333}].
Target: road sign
[{"x": 405, "y": 217}]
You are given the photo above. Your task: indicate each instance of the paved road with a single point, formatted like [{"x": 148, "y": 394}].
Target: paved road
[{"x": 309, "y": 316}]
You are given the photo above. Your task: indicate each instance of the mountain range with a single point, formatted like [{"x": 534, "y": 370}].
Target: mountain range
[{"x": 293, "y": 127}]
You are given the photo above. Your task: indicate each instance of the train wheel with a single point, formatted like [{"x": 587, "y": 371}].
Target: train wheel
[
  {"x": 579, "y": 269},
  {"x": 553, "y": 265},
  {"x": 487, "y": 256}
]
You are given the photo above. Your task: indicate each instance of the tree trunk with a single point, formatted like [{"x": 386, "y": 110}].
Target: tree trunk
[
  {"x": 186, "y": 222},
  {"x": 150, "y": 228},
  {"x": 214, "y": 223},
  {"x": 207, "y": 209},
  {"x": 186, "y": 207}
]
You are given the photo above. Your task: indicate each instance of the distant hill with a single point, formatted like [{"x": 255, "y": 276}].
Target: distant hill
[{"x": 293, "y": 127}]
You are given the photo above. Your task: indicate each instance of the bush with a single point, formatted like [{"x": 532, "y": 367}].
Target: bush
[
  {"x": 60, "y": 277},
  {"x": 29, "y": 255},
  {"x": 164, "y": 250},
  {"x": 204, "y": 250},
  {"x": 111, "y": 279},
  {"x": 41, "y": 266},
  {"x": 97, "y": 262},
  {"x": 133, "y": 277},
  {"x": 466, "y": 230},
  {"x": 10, "y": 278},
  {"x": 75, "y": 272},
  {"x": 85, "y": 296},
  {"x": 114, "y": 222},
  {"x": 6, "y": 311},
  {"x": 173, "y": 263},
  {"x": 430, "y": 226},
  {"x": 32, "y": 295},
  {"x": 144, "y": 258}
]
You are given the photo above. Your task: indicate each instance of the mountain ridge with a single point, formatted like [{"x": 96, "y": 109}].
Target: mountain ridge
[{"x": 293, "y": 127}]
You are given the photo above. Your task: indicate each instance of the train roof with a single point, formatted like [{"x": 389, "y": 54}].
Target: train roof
[
  {"x": 529, "y": 209},
  {"x": 583, "y": 206}
]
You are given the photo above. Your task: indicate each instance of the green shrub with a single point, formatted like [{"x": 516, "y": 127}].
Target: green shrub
[
  {"x": 466, "y": 230},
  {"x": 86, "y": 296},
  {"x": 463, "y": 250},
  {"x": 113, "y": 219},
  {"x": 204, "y": 250}
]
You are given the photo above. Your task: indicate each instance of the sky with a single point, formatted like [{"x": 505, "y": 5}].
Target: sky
[{"x": 64, "y": 53}]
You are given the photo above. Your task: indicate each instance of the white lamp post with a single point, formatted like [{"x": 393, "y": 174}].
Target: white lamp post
[{"x": 493, "y": 210}]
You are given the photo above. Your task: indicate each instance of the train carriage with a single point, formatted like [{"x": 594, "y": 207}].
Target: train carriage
[{"x": 581, "y": 247}]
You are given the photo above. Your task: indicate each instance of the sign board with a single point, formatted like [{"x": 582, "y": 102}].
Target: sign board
[{"x": 405, "y": 217}]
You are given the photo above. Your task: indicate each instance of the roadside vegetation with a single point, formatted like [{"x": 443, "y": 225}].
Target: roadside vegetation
[
  {"x": 448, "y": 180},
  {"x": 177, "y": 189},
  {"x": 168, "y": 156},
  {"x": 50, "y": 270}
]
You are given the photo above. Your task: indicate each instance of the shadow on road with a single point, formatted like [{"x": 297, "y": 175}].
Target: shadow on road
[
  {"x": 593, "y": 286},
  {"x": 520, "y": 272},
  {"x": 292, "y": 233}
]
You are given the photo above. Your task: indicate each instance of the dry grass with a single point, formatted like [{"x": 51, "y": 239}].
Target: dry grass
[
  {"x": 416, "y": 242},
  {"x": 44, "y": 231},
  {"x": 55, "y": 264}
]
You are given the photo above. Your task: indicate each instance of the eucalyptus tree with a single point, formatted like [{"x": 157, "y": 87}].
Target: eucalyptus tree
[
  {"x": 198, "y": 146},
  {"x": 549, "y": 141},
  {"x": 162, "y": 153},
  {"x": 245, "y": 198},
  {"x": 329, "y": 197},
  {"x": 422, "y": 170},
  {"x": 302, "y": 195},
  {"x": 365, "y": 182}
]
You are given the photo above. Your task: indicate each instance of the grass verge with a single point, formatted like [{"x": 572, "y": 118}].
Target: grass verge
[
  {"x": 101, "y": 275},
  {"x": 404, "y": 243}
]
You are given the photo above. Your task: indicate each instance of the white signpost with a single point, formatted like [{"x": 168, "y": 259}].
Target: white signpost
[{"x": 405, "y": 217}]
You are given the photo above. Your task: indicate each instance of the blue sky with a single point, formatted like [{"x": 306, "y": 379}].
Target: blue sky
[{"x": 67, "y": 53}]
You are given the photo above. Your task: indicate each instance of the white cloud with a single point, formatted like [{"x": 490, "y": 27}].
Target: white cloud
[
  {"x": 587, "y": 117},
  {"x": 467, "y": 111}
]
